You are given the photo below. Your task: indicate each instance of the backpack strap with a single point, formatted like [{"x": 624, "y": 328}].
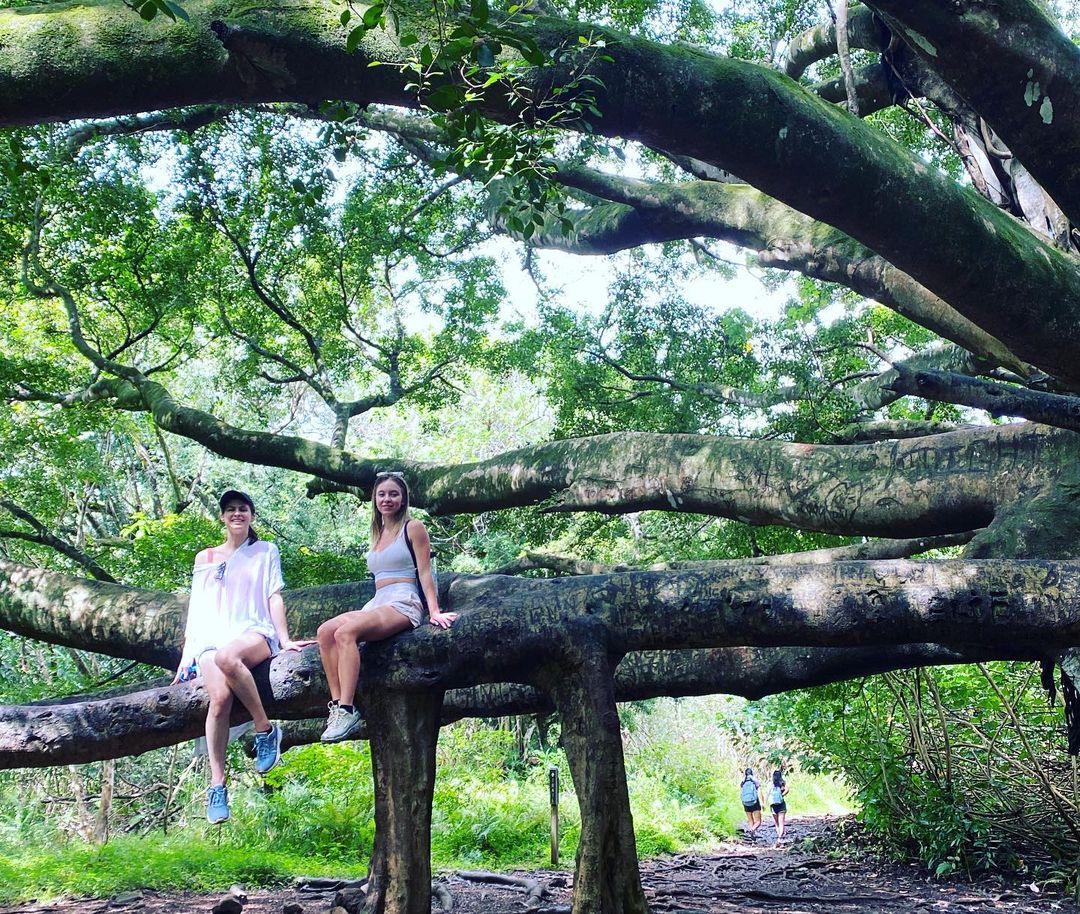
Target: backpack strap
[{"x": 419, "y": 586}]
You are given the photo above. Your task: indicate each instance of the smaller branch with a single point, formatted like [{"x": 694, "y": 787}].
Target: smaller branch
[
  {"x": 893, "y": 429},
  {"x": 722, "y": 392},
  {"x": 1057, "y": 410},
  {"x": 864, "y": 30},
  {"x": 875, "y": 549},
  {"x": 840, "y": 17},
  {"x": 432, "y": 196},
  {"x": 263, "y": 294},
  {"x": 187, "y": 120},
  {"x": 42, "y": 536}
]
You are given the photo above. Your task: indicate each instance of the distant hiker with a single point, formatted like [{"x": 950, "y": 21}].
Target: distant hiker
[
  {"x": 236, "y": 620},
  {"x": 776, "y": 801},
  {"x": 750, "y": 793},
  {"x": 400, "y": 560}
]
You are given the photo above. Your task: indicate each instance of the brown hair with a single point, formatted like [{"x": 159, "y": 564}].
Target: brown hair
[{"x": 400, "y": 518}]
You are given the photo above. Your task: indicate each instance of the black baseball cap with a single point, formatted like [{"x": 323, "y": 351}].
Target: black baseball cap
[{"x": 235, "y": 495}]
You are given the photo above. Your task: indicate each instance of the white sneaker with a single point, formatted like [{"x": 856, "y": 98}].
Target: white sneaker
[{"x": 341, "y": 725}]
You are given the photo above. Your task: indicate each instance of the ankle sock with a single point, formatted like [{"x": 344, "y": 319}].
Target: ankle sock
[{"x": 347, "y": 708}]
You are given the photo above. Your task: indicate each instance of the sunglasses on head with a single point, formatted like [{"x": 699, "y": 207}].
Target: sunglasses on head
[{"x": 389, "y": 474}]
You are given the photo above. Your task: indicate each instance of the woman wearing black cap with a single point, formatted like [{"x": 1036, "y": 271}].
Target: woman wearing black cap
[{"x": 236, "y": 620}]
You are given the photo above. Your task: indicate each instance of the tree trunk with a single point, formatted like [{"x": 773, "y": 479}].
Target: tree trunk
[
  {"x": 404, "y": 728},
  {"x": 581, "y": 683},
  {"x": 108, "y": 782}
]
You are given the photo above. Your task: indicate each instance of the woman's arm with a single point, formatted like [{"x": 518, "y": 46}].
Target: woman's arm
[
  {"x": 276, "y": 603},
  {"x": 421, "y": 544},
  {"x": 281, "y": 624},
  {"x": 190, "y": 627}
]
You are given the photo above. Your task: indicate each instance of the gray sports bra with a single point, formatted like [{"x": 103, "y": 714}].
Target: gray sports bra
[{"x": 392, "y": 562}]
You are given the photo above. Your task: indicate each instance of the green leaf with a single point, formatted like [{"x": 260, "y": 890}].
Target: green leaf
[
  {"x": 354, "y": 39},
  {"x": 373, "y": 15},
  {"x": 148, "y": 10},
  {"x": 485, "y": 56},
  {"x": 480, "y": 11},
  {"x": 407, "y": 40},
  {"x": 530, "y": 50},
  {"x": 177, "y": 10},
  {"x": 346, "y": 15},
  {"x": 445, "y": 98}
]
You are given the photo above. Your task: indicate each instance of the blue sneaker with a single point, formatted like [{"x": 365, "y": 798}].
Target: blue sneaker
[
  {"x": 267, "y": 749},
  {"x": 217, "y": 804}
]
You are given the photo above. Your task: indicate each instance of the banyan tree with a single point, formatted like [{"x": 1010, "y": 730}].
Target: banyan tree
[{"x": 922, "y": 156}]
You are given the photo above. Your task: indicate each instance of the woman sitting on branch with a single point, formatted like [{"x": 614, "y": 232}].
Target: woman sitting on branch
[
  {"x": 236, "y": 620},
  {"x": 400, "y": 560}
]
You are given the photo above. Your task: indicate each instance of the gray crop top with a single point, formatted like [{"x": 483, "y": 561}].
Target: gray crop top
[{"x": 392, "y": 562}]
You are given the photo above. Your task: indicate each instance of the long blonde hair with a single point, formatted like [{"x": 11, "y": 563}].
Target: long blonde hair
[{"x": 399, "y": 519}]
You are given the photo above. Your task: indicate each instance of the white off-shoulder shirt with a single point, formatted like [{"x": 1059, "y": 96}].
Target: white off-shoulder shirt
[{"x": 231, "y": 597}]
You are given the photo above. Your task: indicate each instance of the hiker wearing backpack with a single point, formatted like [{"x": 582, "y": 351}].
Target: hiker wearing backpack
[
  {"x": 777, "y": 792},
  {"x": 750, "y": 794}
]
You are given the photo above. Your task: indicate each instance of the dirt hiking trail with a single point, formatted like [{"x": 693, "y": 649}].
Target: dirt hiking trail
[{"x": 806, "y": 874}]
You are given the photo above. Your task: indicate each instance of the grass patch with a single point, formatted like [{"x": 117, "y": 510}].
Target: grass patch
[
  {"x": 315, "y": 813},
  {"x": 180, "y": 863}
]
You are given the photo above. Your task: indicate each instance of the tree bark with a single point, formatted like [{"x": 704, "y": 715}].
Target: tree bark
[
  {"x": 143, "y": 718},
  {"x": 404, "y": 730},
  {"x": 998, "y": 399},
  {"x": 1024, "y": 79},
  {"x": 580, "y": 683}
]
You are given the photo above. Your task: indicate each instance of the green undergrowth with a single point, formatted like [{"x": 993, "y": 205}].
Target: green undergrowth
[{"x": 491, "y": 810}]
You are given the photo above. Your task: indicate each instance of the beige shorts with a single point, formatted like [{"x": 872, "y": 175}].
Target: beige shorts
[{"x": 403, "y": 597}]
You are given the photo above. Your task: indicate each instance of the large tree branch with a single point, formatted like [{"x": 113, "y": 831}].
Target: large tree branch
[
  {"x": 864, "y": 30},
  {"x": 917, "y": 487},
  {"x": 648, "y": 212},
  {"x": 1009, "y": 609},
  {"x": 756, "y": 481},
  {"x": 1016, "y": 68},
  {"x": 290, "y": 53},
  {"x": 1058, "y": 410}
]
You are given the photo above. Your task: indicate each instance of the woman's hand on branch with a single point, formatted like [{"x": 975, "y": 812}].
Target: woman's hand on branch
[
  {"x": 442, "y": 620},
  {"x": 185, "y": 664},
  {"x": 289, "y": 645}
]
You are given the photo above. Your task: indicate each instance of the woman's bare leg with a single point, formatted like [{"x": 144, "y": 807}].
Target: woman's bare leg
[
  {"x": 217, "y": 717},
  {"x": 234, "y": 661},
  {"x": 328, "y": 652},
  {"x": 370, "y": 625}
]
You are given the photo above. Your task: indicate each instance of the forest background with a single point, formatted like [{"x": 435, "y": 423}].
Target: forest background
[{"x": 311, "y": 276}]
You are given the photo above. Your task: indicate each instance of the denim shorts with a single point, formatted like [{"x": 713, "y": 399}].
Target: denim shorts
[
  {"x": 403, "y": 597},
  {"x": 271, "y": 642}
]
